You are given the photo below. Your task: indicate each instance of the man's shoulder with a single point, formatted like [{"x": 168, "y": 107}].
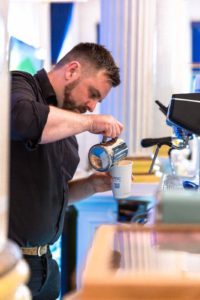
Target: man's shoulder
[
  {"x": 23, "y": 79},
  {"x": 21, "y": 74}
]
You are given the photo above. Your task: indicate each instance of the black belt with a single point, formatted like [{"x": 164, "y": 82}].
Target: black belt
[{"x": 36, "y": 251}]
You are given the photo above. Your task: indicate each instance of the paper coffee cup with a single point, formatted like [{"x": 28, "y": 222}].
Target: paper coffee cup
[{"x": 121, "y": 178}]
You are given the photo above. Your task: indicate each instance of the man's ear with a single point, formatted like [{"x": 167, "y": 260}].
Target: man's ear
[{"x": 72, "y": 70}]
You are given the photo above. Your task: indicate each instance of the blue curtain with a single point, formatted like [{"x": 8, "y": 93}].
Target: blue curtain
[
  {"x": 196, "y": 42},
  {"x": 61, "y": 14}
]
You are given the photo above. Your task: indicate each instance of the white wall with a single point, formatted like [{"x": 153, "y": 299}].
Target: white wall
[{"x": 193, "y": 9}]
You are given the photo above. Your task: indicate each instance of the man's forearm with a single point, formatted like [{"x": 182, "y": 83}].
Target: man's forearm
[
  {"x": 62, "y": 123},
  {"x": 80, "y": 189}
]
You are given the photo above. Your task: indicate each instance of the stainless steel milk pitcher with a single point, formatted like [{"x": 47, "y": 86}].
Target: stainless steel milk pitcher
[{"x": 104, "y": 155}]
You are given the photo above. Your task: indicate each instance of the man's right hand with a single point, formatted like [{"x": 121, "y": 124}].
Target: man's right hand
[{"x": 106, "y": 125}]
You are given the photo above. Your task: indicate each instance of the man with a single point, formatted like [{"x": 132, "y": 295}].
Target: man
[{"x": 47, "y": 111}]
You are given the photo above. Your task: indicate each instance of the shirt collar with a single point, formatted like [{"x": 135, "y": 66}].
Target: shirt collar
[{"x": 46, "y": 87}]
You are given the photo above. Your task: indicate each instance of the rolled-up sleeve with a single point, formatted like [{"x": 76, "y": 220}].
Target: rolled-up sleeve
[{"x": 28, "y": 115}]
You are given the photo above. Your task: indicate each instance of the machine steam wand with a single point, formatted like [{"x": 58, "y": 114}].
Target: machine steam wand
[
  {"x": 172, "y": 142},
  {"x": 179, "y": 141}
]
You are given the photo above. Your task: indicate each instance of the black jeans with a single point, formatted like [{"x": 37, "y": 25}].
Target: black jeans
[{"x": 44, "y": 282}]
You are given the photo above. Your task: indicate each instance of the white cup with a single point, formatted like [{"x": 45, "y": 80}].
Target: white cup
[{"x": 121, "y": 178}]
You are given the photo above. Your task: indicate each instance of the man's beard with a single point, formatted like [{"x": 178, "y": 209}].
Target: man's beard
[{"x": 69, "y": 103}]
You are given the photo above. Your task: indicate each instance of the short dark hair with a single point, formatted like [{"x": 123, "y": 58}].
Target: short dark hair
[{"x": 96, "y": 55}]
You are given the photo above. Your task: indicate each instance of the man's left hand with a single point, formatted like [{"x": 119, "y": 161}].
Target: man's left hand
[{"x": 101, "y": 182}]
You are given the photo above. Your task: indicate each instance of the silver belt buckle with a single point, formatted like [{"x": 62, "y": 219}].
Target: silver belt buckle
[{"x": 39, "y": 251}]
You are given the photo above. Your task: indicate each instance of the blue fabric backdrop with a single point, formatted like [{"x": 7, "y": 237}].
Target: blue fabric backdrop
[{"x": 61, "y": 14}]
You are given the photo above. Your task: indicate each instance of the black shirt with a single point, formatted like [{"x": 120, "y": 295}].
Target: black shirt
[{"x": 38, "y": 172}]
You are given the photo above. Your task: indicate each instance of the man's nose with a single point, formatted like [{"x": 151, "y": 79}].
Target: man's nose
[{"x": 91, "y": 106}]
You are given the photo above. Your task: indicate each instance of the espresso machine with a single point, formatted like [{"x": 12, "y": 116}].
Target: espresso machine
[{"x": 183, "y": 115}]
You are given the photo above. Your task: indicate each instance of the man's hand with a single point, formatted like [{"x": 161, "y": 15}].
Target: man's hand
[
  {"x": 87, "y": 186},
  {"x": 106, "y": 125},
  {"x": 101, "y": 182}
]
